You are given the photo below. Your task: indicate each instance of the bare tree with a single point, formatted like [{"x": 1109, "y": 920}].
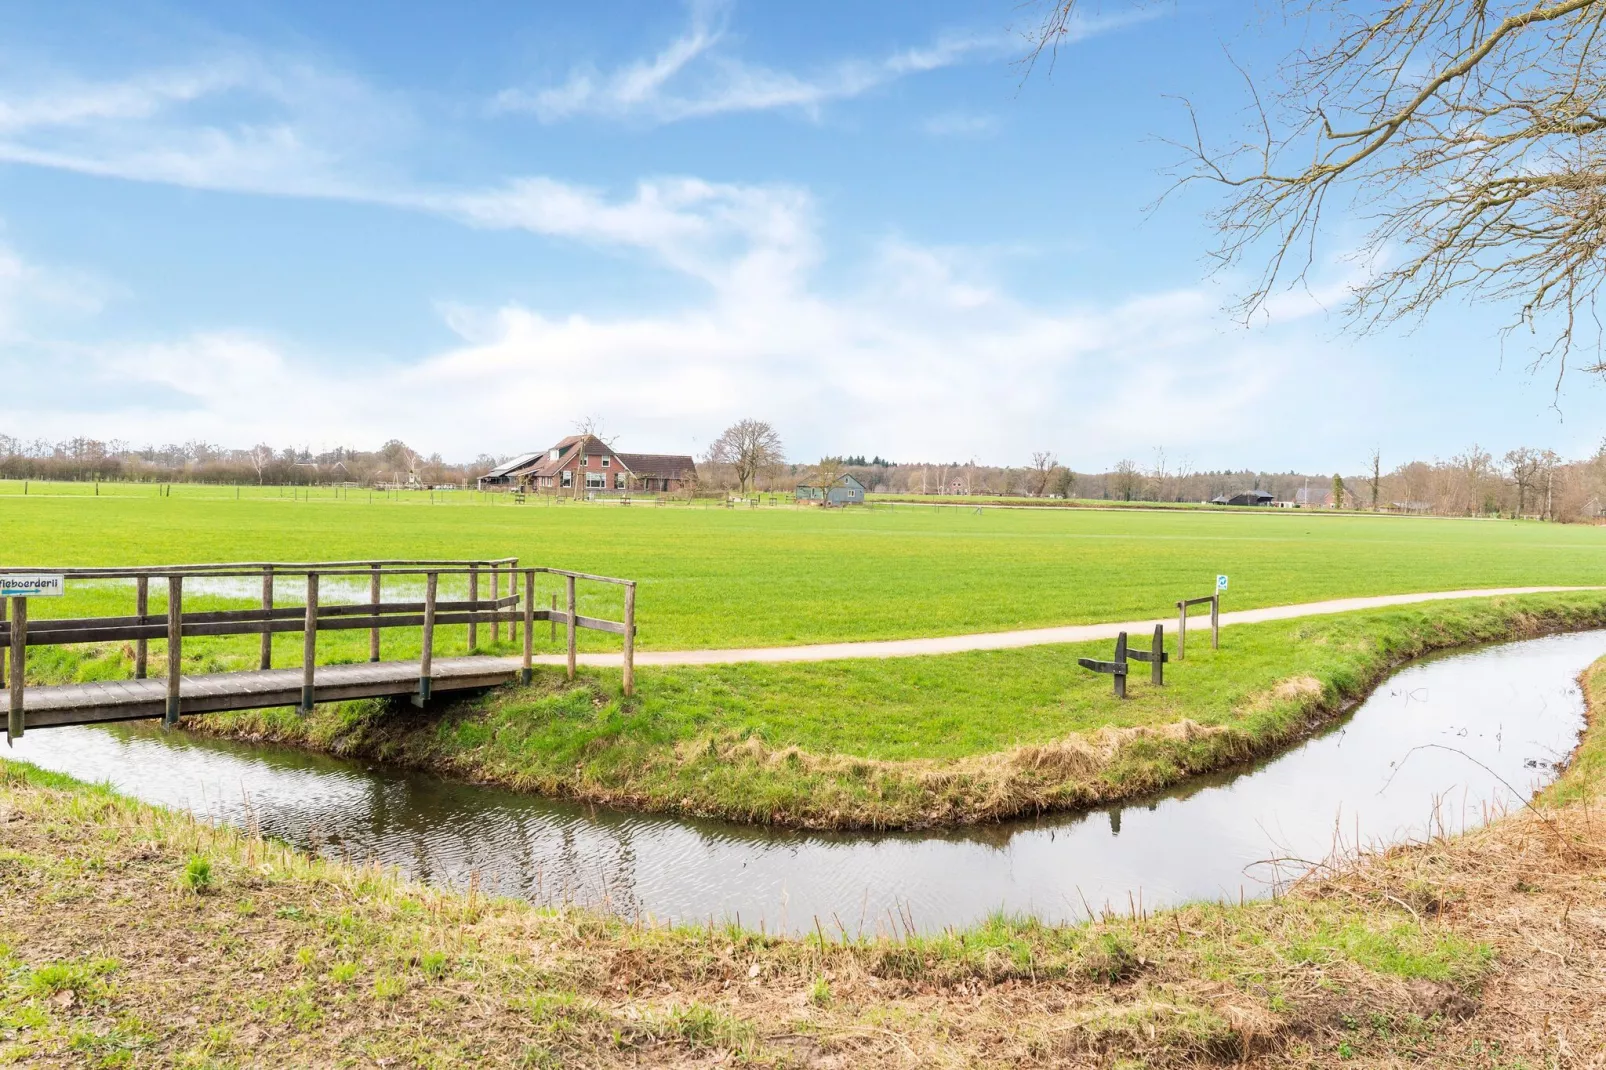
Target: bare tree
[
  {"x": 1043, "y": 465},
  {"x": 1472, "y": 134},
  {"x": 260, "y": 456},
  {"x": 750, "y": 447},
  {"x": 591, "y": 426},
  {"x": 826, "y": 474},
  {"x": 1530, "y": 470},
  {"x": 1128, "y": 480},
  {"x": 1158, "y": 475},
  {"x": 1376, "y": 481}
]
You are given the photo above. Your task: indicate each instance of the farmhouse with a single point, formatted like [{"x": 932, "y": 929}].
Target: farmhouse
[
  {"x": 845, "y": 491},
  {"x": 584, "y": 464},
  {"x": 1245, "y": 497}
]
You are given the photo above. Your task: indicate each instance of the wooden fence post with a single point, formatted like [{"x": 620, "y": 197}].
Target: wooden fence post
[
  {"x": 1120, "y": 659},
  {"x": 496, "y": 617},
  {"x": 19, "y": 667},
  {"x": 1182, "y": 627},
  {"x": 1157, "y": 657},
  {"x": 529, "y": 626},
  {"x": 267, "y": 617},
  {"x": 571, "y": 627},
  {"x": 175, "y": 645},
  {"x": 1215, "y": 622},
  {"x": 309, "y": 643},
  {"x": 552, "y": 619},
  {"x": 473, "y": 596},
  {"x": 373, "y": 596},
  {"x": 142, "y": 609},
  {"x": 426, "y": 658},
  {"x": 630, "y": 640},
  {"x": 513, "y": 591}
]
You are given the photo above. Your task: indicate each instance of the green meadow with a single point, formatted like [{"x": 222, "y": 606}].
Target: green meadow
[{"x": 779, "y": 574}]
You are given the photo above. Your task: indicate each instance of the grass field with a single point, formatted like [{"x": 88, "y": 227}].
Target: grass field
[
  {"x": 909, "y": 742},
  {"x": 777, "y": 576}
]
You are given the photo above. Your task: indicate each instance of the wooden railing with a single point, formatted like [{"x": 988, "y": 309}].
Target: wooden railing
[
  {"x": 1183, "y": 606},
  {"x": 514, "y": 609}
]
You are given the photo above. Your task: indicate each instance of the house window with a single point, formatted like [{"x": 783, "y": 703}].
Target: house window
[
  {"x": 552, "y": 456},
  {"x": 567, "y": 479},
  {"x": 596, "y": 481},
  {"x": 619, "y": 480},
  {"x": 585, "y": 462},
  {"x": 605, "y": 462}
]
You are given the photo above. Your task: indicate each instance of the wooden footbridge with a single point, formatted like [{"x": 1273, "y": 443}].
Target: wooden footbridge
[{"x": 175, "y": 695}]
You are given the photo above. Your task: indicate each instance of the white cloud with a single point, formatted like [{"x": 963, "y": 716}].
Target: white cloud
[
  {"x": 257, "y": 124},
  {"x": 925, "y": 360},
  {"x": 960, "y": 124},
  {"x": 696, "y": 75},
  {"x": 927, "y": 356},
  {"x": 32, "y": 294}
]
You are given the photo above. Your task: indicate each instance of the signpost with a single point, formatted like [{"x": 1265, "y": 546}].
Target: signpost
[
  {"x": 1221, "y": 584},
  {"x": 20, "y": 588},
  {"x": 40, "y": 586}
]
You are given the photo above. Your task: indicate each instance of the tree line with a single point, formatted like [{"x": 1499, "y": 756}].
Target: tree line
[
  {"x": 749, "y": 457},
  {"x": 83, "y": 459}
]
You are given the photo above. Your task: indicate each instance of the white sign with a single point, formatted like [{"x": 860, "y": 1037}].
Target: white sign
[
  {"x": 1221, "y": 583},
  {"x": 32, "y": 586}
]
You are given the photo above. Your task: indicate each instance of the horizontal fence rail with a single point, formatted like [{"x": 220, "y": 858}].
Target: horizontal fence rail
[{"x": 515, "y": 609}]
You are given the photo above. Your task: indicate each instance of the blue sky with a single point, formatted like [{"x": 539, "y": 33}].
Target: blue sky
[{"x": 471, "y": 225}]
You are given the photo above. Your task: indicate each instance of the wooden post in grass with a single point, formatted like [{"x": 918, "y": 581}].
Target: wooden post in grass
[
  {"x": 142, "y": 609},
  {"x": 267, "y": 618},
  {"x": 473, "y": 596},
  {"x": 175, "y": 645},
  {"x": 19, "y": 666},
  {"x": 1116, "y": 668},
  {"x": 1182, "y": 627},
  {"x": 571, "y": 627},
  {"x": 373, "y": 596},
  {"x": 426, "y": 658},
  {"x": 552, "y": 620},
  {"x": 1155, "y": 656},
  {"x": 630, "y": 640},
  {"x": 1215, "y": 622},
  {"x": 309, "y": 643}
]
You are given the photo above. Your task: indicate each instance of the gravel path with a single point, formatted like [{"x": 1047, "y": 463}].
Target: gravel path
[{"x": 1072, "y": 633}]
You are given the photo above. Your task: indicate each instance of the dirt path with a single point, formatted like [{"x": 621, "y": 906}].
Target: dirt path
[{"x": 1072, "y": 633}]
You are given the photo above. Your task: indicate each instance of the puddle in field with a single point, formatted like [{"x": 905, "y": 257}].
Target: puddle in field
[{"x": 1405, "y": 763}]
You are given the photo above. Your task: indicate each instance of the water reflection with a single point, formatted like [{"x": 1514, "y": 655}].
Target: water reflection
[{"x": 1400, "y": 766}]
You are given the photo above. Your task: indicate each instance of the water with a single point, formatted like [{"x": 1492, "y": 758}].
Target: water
[{"x": 1409, "y": 762}]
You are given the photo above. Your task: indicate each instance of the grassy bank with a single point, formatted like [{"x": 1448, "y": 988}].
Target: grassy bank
[
  {"x": 913, "y": 742},
  {"x": 133, "y": 936},
  {"x": 778, "y": 576}
]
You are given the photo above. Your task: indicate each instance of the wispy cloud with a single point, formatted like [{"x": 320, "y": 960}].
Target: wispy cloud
[
  {"x": 960, "y": 124},
  {"x": 698, "y": 75}
]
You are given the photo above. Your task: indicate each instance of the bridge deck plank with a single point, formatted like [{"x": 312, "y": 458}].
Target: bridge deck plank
[{"x": 120, "y": 700}]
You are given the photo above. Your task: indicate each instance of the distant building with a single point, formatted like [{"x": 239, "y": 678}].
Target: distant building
[
  {"x": 1305, "y": 498},
  {"x": 1247, "y": 497},
  {"x": 847, "y": 490},
  {"x": 582, "y": 465}
]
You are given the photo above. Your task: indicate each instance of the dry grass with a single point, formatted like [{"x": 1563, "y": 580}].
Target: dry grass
[
  {"x": 1483, "y": 951},
  {"x": 131, "y": 936}
]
